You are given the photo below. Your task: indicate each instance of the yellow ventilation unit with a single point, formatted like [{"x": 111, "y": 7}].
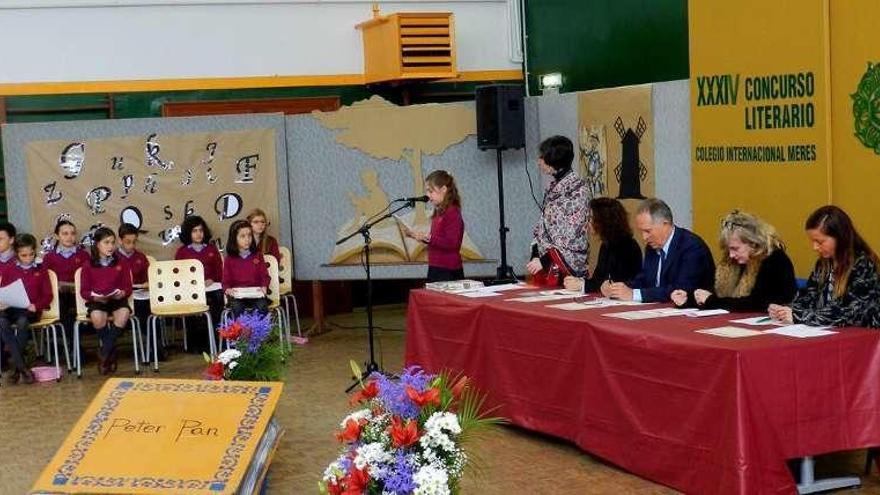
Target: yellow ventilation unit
[{"x": 408, "y": 46}]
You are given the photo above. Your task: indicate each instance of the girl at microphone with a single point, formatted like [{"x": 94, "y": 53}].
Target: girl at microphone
[{"x": 447, "y": 228}]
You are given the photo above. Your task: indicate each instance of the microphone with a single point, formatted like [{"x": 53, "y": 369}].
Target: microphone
[{"x": 420, "y": 199}]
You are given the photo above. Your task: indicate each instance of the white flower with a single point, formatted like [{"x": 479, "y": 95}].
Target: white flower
[
  {"x": 228, "y": 355},
  {"x": 357, "y": 416},
  {"x": 373, "y": 455},
  {"x": 431, "y": 480},
  {"x": 443, "y": 421},
  {"x": 232, "y": 365},
  {"x": 334, "y": 471},
  {"x": 439, "y": 431}
]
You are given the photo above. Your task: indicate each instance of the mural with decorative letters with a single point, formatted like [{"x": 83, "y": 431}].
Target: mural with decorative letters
[{"x": 152, "y": 181}]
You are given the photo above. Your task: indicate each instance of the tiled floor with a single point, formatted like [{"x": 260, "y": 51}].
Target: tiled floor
[{"x": 35, "y": 419}]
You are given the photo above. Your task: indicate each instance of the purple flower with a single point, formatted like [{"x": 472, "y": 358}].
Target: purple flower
[
  {"x": 259, "y": 327},
  {"x": 392, "y": 393},
  {"x": 399, "y": 477}
]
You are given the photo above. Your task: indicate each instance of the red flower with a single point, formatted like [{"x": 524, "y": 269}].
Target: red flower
[
  {"x": 404, "y": 434},
  {"x": 356, "y": 482},
  {"x": 334, "y": 489},
  {"x": 214, "y": 371},
  {"x": 351, "y": 432},
  {"x": 428, "y": 397},
  {"x": 459, "y": 386},
  {"x": 366, "y": 393},
  {"x": 232, "y": 331}
]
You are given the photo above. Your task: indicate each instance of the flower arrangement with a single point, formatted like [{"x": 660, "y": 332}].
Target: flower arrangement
[
  {"x": 407, "y": 435},
  {"x": 255, "y": 352}
]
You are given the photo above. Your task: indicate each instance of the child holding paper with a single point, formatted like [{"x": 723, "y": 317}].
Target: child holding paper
[
  {"x": 244, "y": 267},
  {"x": 447, "y": 228},
  {"x": 196, "y": 239},
  {"x": 105, "y": 284},
  {"x": 38, "y": 288}
]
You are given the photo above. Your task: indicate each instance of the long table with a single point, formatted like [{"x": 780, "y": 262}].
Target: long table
[{"x": 696, "y": 412}]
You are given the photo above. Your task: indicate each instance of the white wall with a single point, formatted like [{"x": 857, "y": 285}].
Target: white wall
[{"x": 102, "y": 40}]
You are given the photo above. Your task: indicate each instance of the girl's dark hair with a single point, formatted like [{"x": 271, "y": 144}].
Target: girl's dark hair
[
  {"x": 438, "y": 179},
  {"x": 99, "y": 235},
  {"x": 127, "y": 229},
  {"x": 232, "y": 241},
  {"x": 62, "y": 223},
  {"x": 186, "y": 228},
  {"x": 610, "y": 220},
  {"x": 557, "y": 152},
  {"x": 24, "y": 241},
  {"x": 834, "y": 222},
  {"x": 8, "y": 228}
]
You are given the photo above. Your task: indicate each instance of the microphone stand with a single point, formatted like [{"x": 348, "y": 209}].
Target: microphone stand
[{"x": 371, "y": 365}]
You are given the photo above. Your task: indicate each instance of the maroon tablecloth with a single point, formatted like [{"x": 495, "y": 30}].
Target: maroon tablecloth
[{"x": 700, "y": 413}]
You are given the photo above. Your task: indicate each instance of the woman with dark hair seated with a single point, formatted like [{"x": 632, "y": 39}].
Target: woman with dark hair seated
[
  {"x": 844, "y": 287},
  {"x": 560, "y": 232},
  {"x": 620, "y": 258},
  {"x": 754, "y": 273}
]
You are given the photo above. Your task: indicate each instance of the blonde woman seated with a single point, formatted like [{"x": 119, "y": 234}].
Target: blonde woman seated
[
  {"x": 754, "y": 273},
  {"x": 844, "y": 287}
]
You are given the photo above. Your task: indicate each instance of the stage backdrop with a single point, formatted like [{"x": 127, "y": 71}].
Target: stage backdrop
[
  {"x": 151, "y": 177},
  {"x": 346, "y": 166},
  {"x": 760, "y": 114},
  {"x": 855, "y": 98}
]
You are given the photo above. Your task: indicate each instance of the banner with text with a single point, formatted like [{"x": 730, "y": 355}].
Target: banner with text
[{"x": 760, "y": 115}]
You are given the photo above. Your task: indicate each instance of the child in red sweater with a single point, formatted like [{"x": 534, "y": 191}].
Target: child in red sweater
[
  {"x": 196, "y": 238},
  {"x": 244, "y": 267},
  {"x": 65, "y": 260},
  {"x": 105, "y": 284},
  {"x": 39, "y": 290},
  {"x": 447, "y": 228},
  {"x": 265, "y": 242},
  {"x": 138, "y": 264},
  {"x": 7, "y": 253}
]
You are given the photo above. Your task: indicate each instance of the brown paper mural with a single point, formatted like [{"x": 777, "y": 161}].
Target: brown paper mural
[{"x": 153, "y": 182}]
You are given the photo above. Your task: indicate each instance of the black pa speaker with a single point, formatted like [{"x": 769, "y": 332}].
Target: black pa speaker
[{"x": 500, "y": 116}]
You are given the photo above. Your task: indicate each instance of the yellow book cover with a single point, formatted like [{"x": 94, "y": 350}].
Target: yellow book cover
[{"x": 163, "y": 436}]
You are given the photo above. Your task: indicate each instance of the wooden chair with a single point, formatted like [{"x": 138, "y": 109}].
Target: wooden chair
[
  {"x": 177, "y": 289},
  {"x": 50, "y": 321},
  {"x": 82, "y": 316},
  {"x": 285, "y": 277}
]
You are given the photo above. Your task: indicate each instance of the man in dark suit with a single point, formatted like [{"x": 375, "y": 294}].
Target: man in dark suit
[{"x": 675, "y": 258}]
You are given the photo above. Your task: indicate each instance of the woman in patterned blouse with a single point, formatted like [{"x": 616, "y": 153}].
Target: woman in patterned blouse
[
  {"x": 563, "y": 212},
  {"x": 844, "y": 287}
]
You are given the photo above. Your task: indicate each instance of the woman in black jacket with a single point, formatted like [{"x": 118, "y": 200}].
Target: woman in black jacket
[
  {"x": 754, "y": 273},
  {"x": 620, "y": 257}
]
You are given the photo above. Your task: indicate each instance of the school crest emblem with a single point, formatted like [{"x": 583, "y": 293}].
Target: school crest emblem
[{"x": 866, "y": 108}]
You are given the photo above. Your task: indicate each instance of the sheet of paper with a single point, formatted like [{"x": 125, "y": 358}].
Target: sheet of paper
[
  {"x": 14, "y": 295},
  {"x": 647, "y": 314},
  {"x": 540, "y": 298},
  {"x": 596, "y": 303},
  {"x": 707, "y": 312},
  {"x": 477, "y": 293},
  {"x": 758, "y": 321},
  {"x": 214, "y": 286},
  {"x": 731, "y": 332},
  {"x": 801, "y": 331},
  {"x": 247, "y": 293},
  {"x": 504, "y": 287},
  {"x": 403, "y": 222},
  {"x": 561, "y": 292},
  {"x": 141, "y": 294},
  {"x": 109, "y": 294}
]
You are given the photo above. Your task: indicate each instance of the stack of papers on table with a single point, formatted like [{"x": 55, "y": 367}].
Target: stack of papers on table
[
  {"x": 758, "y": 321},
  {"x": 543, "y": 297},
  {"x": 646, "y": 314},
  {"x": 707, "y": 312},
  {"x": 731, "y": 332},
  {"x": 596, "y": 303},
  {"x": 801, "y": 331}
]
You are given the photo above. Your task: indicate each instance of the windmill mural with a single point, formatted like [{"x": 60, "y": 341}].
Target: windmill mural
[{"x": 630, "y": 172}]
